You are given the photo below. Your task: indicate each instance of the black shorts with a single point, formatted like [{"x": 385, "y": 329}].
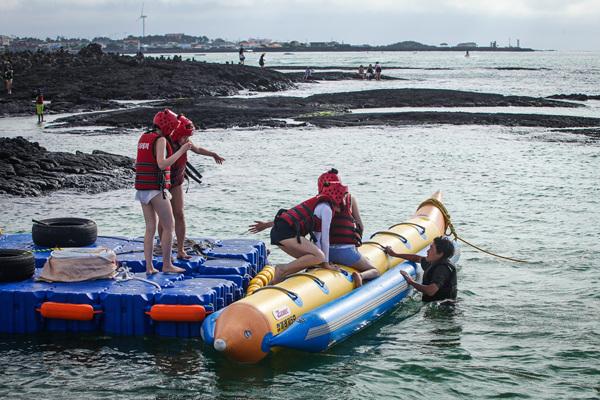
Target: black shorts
[{"x": 281, "y": 231}]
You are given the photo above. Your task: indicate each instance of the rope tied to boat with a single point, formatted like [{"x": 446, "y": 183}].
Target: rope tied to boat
[{"x": 440, "y": 206}]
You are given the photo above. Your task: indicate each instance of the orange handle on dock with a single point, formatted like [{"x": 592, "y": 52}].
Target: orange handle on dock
[
  {"x": 70, "y": 311},
  {"x": 177, "y": 313}
]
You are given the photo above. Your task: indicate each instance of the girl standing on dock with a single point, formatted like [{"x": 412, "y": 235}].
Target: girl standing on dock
[{"x": 152, "y": 181}]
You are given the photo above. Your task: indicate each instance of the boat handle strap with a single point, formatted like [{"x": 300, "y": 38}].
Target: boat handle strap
[
  {"x": 397, "y": 235},
  {"x": 290, "y": 294},
  {"x": 417, "y": 226},
  {"x": 377, "y": 244},
  {"x": 314, "y": 278}
]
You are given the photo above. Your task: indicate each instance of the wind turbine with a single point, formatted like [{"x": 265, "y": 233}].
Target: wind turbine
[{"x": 143, "y": 18}]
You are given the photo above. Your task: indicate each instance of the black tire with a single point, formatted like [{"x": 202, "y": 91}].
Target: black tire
[
  {"x": 64, "y": 232},
  {"x": 16, "y": 265}
]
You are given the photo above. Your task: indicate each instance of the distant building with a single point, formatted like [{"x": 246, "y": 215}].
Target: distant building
[
  {"x": 5, "y": 40},
  {"x": 467, "y": 44},
  {"x": 323, "y": 44}
]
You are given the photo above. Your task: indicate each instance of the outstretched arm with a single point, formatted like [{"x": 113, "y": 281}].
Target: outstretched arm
[
  {"x": 259, "y": 226},
  {"x": 204, "y": 152},
  {"x": 404, "y": 256}
]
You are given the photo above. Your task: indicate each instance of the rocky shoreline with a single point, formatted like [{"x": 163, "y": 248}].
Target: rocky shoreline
[
  {"x": 29, "y": 170},
  {"x": 91, "y": 79},
  {"x": 333, "y": 110}
]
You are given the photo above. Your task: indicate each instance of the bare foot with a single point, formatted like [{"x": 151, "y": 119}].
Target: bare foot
[
  {"x": 357, "y": 278},
  {"x": 151, "y": 271},
  {"x": 172, "y": 270},
  {"x": 183, "y": 256}
]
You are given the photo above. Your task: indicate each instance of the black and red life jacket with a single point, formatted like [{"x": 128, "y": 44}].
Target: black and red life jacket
[
  {"x": 344, "y": 229},
  {"x": 302, "y": 217},
  {"x": 148, "y": 176},
  {"x": 178, "y": 168}
]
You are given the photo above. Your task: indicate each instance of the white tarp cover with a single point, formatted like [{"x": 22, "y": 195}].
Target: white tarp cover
[{"x": 79, "y": 264}]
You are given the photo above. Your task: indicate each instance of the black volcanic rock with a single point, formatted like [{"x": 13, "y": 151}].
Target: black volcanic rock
[
  {"x": 89, "y": 80},
  {"x": 217, "y": 112},
  {"x": 575, "y": 96},
  {"x": 27, "y": 169}
]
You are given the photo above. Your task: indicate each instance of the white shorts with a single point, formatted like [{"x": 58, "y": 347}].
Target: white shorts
[{"x": 145, "y": 196}]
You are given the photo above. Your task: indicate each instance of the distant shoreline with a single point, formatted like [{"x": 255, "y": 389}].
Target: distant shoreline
[{"x": 334, "y": 49}]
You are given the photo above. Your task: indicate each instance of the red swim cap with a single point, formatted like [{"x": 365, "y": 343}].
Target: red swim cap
[
  {"x": 336, "y": 191},
  {"x": 185, "y": 128},
  {"x": 166, "y": 121},
  {"x": 330, "y": 176}
]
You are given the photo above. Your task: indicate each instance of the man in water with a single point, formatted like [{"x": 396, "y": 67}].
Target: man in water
[
  {"x": 439, "y": 279},
  {"x": 261, "y": 61}
]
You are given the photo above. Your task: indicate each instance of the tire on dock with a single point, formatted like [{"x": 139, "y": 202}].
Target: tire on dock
[
  {"x": 64, "y": 232},
  {"x": 16, "y": 265}
]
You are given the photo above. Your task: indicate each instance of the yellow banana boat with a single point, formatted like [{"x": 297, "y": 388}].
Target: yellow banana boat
[{"x": 248, "y": 329}]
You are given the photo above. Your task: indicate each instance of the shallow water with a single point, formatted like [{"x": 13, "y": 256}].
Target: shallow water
[{"x": 519, "y": 331}]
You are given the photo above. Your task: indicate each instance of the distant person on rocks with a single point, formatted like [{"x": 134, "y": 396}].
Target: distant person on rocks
[
  {"x": 370, "y": 72},
  {"x": 361, "y": 72},
  {"x": 377, "y": 71},
  {"x": 181, "y": 137},
  {"x": 439, "y": 278},
  {"x": 242, "y": 56},
  {"x": 261, "y": 61},
  {"x": 308, "y": 74},
  {"x": 39, "y": 106},
  {"x": 152, "y": 183},
  {"x": 8, "y": 76}
]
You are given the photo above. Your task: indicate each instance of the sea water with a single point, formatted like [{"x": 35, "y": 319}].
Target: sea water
[{"x": 519, "y": 330}]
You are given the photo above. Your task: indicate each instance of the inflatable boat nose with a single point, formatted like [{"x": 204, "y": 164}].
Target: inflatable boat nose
[{"x": 239, "y": 333}]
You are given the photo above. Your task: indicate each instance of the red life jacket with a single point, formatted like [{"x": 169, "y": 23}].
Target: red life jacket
[
  {"x": 148, "y": 176},
  {"x": 302, "y": 217},
  {"x": 344, "y": 229},
  {"x": 178, "y": 168}
]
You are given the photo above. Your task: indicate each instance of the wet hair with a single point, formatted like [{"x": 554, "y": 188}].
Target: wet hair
[
  {"x": 444, "y": 245},
  {"x": 333, "y": 171}
]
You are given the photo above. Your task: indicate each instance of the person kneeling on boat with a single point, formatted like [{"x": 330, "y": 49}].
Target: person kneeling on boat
[
  {"x": 289, "y": 228},
  {"x": 152, "y": 181},
  {"x": 439, "y": 279},
  {"x": 178, "y": 138},
  {"x": 345, "y": 234}
]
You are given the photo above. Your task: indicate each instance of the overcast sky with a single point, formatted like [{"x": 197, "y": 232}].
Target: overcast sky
[{"x": 541, "y": 24}]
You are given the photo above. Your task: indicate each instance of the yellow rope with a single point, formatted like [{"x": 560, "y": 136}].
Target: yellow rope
[{"x": 440, "y": 206}]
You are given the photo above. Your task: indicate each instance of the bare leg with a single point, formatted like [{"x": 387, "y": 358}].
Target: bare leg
[
  {"x": 165, "y": 216},
  {"x": 366, "y": 271},
  {"x": 305, "y": 252},
  {"x": 150, "y": 218},
  {"x": 177, "y": 204}
]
